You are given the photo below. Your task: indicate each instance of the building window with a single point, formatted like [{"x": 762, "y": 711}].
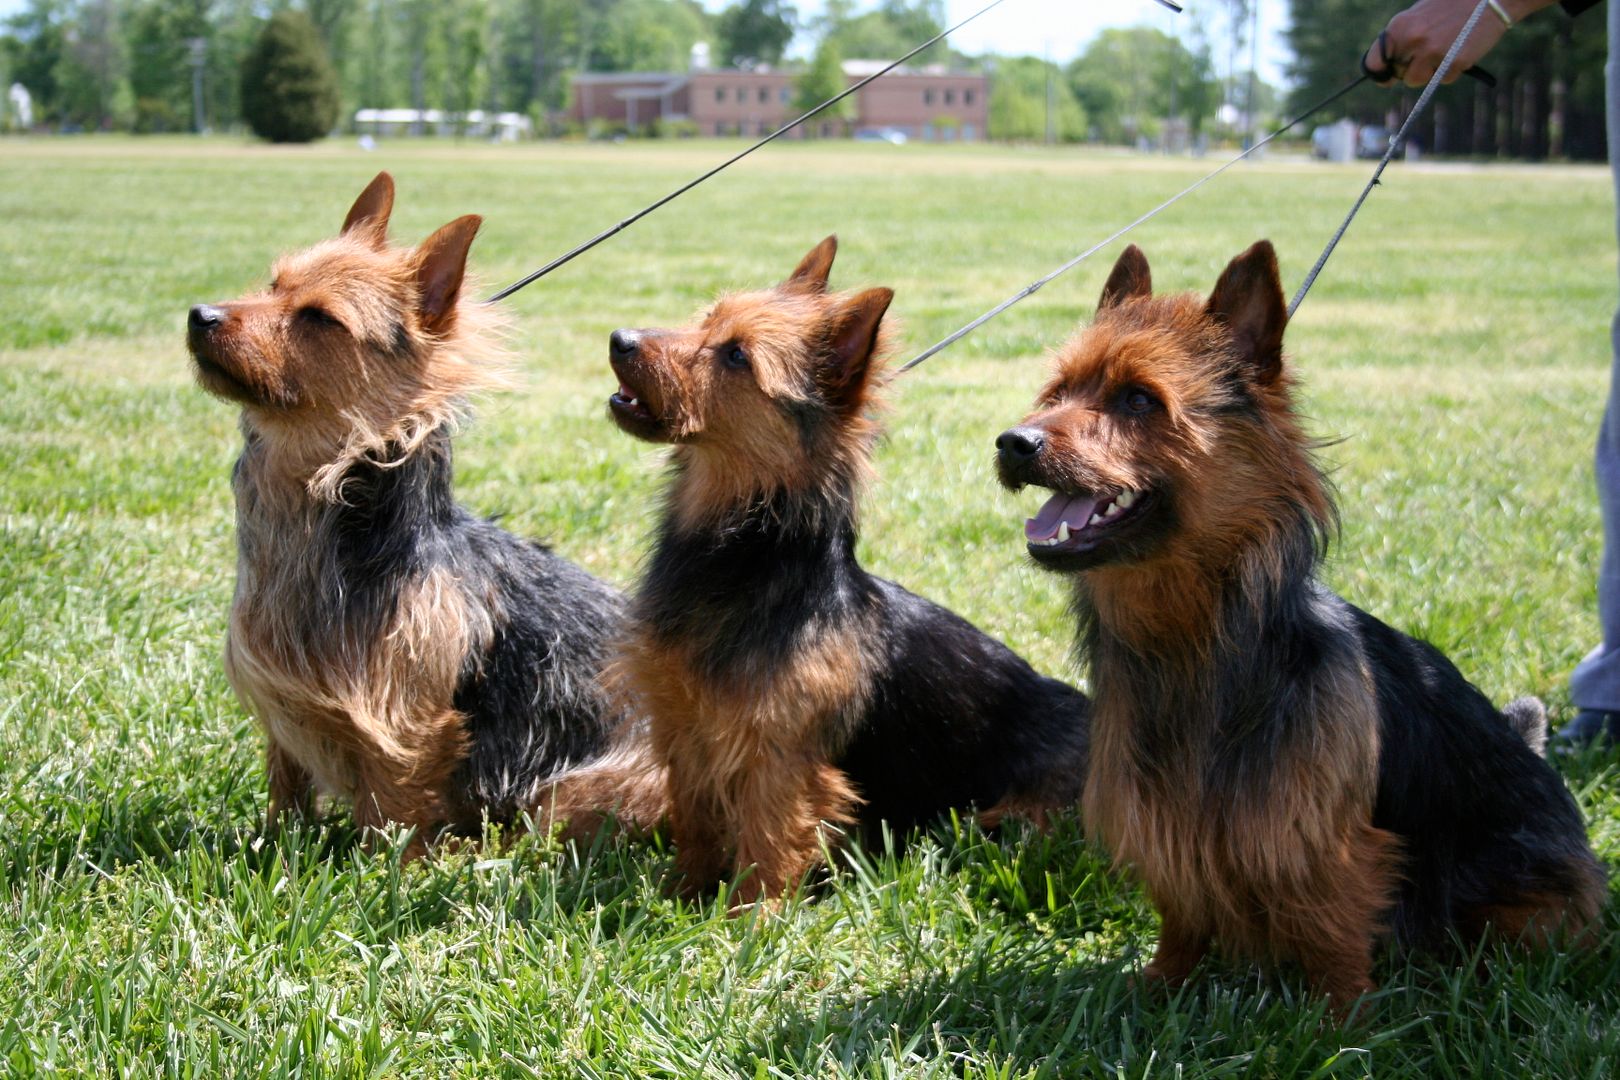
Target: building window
[
  {"x": 719, "y": 93},
  {"x": 928, "y": 97},
  {"x": 950, "y": 97},
  {"x": 764, "y": 94},
  {"x": 967, "y": 97},
  {"x": 786, "y": 95}
]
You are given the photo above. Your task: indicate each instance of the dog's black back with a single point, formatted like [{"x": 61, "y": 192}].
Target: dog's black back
[
  {"x": 1482, "y": 816},
  {"x": 951, "y": 718},
  {"x": 532, "y": 700}
]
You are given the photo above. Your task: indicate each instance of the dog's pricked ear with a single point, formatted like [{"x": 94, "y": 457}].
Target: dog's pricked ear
[
  {"x": 1248, "y": 298},
  {"x": 441, "y": 262},
  {"x": 368, "y": 217},
  {"x": 854, "y": 340},
  {"x": 814, "y": 269},
  {"x": 1129, "y": 279}
]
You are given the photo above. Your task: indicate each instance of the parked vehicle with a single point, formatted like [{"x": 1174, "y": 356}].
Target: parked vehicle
[{"x": 892, "y": 136}]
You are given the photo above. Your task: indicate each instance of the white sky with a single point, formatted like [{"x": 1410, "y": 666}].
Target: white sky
[{"x": 1030, "y": 26}]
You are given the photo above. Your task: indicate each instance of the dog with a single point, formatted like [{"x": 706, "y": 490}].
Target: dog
[
  {"x": 784, "y": 686},
  {"x": 402, "y": 654},
  {"x": 1288, "y": 775}
]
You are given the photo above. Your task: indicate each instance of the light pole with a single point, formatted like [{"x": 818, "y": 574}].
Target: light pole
[
  {"x": 1051, "y": 93},
  {"x": 199, "y": 59}
]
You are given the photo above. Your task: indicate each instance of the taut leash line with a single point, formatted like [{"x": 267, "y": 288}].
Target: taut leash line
[
  {"x": 1040, "y": 283},
  {"x": 605, "y": 234},
  {"x": 1389, "y": 152}
]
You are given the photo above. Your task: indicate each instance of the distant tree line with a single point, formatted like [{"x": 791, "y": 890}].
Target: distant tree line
[
  {"x": 130, "y": 64},
  {"x": 1547, "y": 103},
  {"x": 154, "y": 65}
]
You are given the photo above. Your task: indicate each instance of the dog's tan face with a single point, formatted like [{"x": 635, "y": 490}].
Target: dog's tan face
[
  {"x": 345, "y": 326},
  {"x": 762, "y": 386},
  {"x": 1146, "y": 432},
  {"x": 755, "y": 368},
  {"x": 735, "y": 374}
]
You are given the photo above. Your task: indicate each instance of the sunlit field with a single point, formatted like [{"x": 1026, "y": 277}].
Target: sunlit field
[{"x": 1454, "y": 352}]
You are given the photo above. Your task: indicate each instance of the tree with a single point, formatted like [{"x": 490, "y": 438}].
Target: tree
[
  {"x": 1018, "y": 100},
  {"x": 35, "y": 48},
  {"x": 289, "y": 90},
  {"x": 645, "y": 35},
  {"x": 425, "y": 28},
  {"x": 754, "y": 32},
  {"x": 1326, "y": 36},
  {"x": 1548, "y": 100},
  {"x": 823, "y": 79},
  {"x": 891, "y": 30},
  {"x": 1123, "y": 81},
  {"x": 159, "y": 76},
  {"x": 539, "y": 41},
  {"x": 468, "y": 39},
  {"x": 1237, "y": 32},
  {"x": 91, "y": 72}
]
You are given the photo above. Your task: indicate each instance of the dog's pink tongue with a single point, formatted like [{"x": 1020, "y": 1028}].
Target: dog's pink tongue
[{"x": 1075, "y": 509}]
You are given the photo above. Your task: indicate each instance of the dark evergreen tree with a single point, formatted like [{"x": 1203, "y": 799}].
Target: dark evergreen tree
[{"x": 289, "y": 90}]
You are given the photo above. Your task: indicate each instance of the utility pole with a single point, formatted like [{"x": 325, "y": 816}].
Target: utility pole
[
  {"x": 1175, "y": 52},
  {"x": 199, "y": 60},
  {"x": 1051, "y": 94},
  {"x": 1254, "y": 61}
]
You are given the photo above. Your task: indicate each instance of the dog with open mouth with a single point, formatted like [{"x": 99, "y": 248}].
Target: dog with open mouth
[
  {"x": 1288, "y": 775},
  {"x": 786, "y": 687},
  {"x": 402, "y": 654}
]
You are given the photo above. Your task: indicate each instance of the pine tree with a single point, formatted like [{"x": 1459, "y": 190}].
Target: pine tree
[{"x": 289, "y": 90}]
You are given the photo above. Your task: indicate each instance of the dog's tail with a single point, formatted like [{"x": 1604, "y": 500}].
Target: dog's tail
[{"x": 1528, "y": 716}]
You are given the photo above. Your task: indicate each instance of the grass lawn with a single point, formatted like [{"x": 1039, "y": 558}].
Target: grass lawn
[{"x": 1456, "y": 347}]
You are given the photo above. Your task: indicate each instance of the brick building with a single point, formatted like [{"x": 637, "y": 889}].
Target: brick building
[{"x": 928, "y": 105}]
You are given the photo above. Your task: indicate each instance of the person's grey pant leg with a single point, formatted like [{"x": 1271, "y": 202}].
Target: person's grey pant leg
[{"x": 1596, "y": 682}]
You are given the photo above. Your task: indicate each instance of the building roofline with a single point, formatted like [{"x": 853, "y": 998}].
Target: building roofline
[{"x": 627, "y": 76}]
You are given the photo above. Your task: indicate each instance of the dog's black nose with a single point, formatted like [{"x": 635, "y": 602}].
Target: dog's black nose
[
  {"x": 1020, "y": 444},
  {"x": 623, "y": 344},
  {"x": 205, "y": 317}
]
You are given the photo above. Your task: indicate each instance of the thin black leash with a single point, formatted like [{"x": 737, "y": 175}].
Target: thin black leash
[
  {"x": 605, "y": 234},
  {"x": 1394, "y": 144},
  {"x": 1040, "y": 283}
]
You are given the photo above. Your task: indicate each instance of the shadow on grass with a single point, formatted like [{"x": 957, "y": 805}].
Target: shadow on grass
[
  {"x": 1029, "y": 1014},
  {"x": 1050, "y": 994}
]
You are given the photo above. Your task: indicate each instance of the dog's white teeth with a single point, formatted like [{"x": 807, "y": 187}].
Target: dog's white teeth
[
  {"x": 1095, "y": 518},
  {"x": 1062, "y": 533},
  {"x": 1113, "y": 508},
  {"x": 1124, "y": 499}
]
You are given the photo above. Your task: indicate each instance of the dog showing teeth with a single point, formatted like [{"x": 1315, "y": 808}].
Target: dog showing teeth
[
  {"x": 1102, "y": 512},
  {"x": 1291, "y": 778}
]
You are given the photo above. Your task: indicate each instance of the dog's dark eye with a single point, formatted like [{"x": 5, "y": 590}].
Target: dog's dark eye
[
  {"x": 1137, "y": 401},
  {"x": 734, "y": 356},
  {"x": 319, "y": 317}
]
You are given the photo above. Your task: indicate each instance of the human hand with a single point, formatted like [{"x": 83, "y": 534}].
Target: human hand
[{"x": 1415, "y": 41}]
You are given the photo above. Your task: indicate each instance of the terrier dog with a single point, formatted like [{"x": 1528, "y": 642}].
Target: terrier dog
[
  {"x": 1287, "y": 774},
  {"x": 402, "y": 654},
  {"x": 785, "y": 686}
]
